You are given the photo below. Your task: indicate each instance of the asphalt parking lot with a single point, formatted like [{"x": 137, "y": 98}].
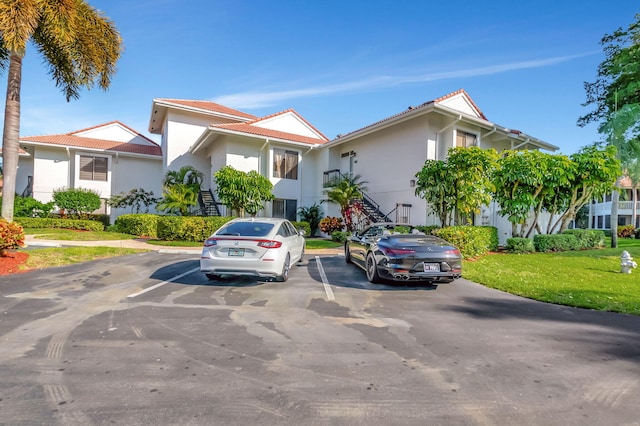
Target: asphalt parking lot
[{"x": 147, "y": 339}]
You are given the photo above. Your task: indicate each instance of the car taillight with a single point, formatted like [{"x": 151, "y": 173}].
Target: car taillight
[
  {"x": 396, "y": 251},
  {"x": 269, "y": 244},
  {"x": 452, "y": 252},
  {"x": 209, "y": 242}
]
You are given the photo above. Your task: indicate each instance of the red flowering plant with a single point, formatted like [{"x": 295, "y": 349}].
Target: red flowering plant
[
  {"x": 11, "y": 236},
  {"x": 353, "y": 215}
]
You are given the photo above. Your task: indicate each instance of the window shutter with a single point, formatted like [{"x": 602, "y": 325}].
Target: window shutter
[
  {"x": 86, "y": 168},
  {"x": 100, "y": 169}
]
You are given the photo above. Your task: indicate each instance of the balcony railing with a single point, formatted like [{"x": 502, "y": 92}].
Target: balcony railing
[{"x": 624, "y": 207}]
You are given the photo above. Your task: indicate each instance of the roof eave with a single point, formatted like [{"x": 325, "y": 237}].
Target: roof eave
[{"x": 206, "y": 136}]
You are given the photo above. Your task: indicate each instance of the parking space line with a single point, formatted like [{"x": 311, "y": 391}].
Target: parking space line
[
  {"x": 153, "y": 287},
  {"x": 325, "y": 281}
]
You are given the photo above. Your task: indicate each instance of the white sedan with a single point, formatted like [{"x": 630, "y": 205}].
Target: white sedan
[{"x": 260, "y": 247}]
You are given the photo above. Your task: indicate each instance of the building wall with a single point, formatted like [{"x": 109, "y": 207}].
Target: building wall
[
  {"x": 53, "y": 168},
  {"x": 129, "y": 173}
]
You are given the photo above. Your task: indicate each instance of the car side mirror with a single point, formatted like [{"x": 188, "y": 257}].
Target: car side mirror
[{"x": 301, "y": 232}]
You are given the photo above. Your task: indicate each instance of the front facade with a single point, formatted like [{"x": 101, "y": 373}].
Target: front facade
[
  {"x": 628, "y": 214},
  {"x": 296, "y": 157},
  {"x": 110, "y": 158}
]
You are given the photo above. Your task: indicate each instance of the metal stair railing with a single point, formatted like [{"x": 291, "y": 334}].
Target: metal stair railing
[{"x": 208, "y": 204}]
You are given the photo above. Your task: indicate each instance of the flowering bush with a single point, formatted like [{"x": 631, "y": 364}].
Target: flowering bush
[
  {"x": 11, "y": 236},
  {"x": 330, "y": 224}
]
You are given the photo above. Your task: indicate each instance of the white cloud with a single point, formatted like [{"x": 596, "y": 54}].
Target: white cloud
[{"x": 260, "y": 99}]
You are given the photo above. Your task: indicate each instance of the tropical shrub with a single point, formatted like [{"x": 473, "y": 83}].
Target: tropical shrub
[
  {"x": 137, "y": 199},
  {"x": 11, "y": 236},
  {"x": 190, "y": 228},
  {"x": 30, "y": 207},
  {"x": 330, "y": 224},
  {"x": 626, "y": 231},
  {"x": 519, "y": 245},
  {"x": 588, "y": 238},
  {"x": 141, "y": 225},
  {"x": 60, "y": 223},
  {"x": 339, "y": 236},
  {"x": 472, "y": 241},
  {"x": 305, "y": 226},
  {"x": 427, "y": 229},
  {"x": 312, "y": 215},
  {"x": 556, "y": 242},
  {"x": 78, "y": 201}
]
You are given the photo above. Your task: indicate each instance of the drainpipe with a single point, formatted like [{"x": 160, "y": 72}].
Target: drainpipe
[
  {"x": 266, "y": 142},
  {"x": 447, "y": 127}
]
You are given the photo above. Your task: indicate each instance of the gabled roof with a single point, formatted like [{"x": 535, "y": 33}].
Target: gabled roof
[
  {"x": 266, "y": 128},
  {"x": 259, "y": 121},
  {"x": 267, "y": 133},
  {"x": 458, "y": 105},
  {"x": 160, "y": 106},
  {"x": 72, "y": 140}
]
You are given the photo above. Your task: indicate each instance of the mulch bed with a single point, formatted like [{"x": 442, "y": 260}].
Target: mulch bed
[{"x": 10, "y": 262}]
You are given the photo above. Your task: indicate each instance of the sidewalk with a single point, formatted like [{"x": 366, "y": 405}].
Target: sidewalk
[{"x": 138, "y": 243}]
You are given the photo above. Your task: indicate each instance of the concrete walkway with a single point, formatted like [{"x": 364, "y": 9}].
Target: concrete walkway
[{"x": 138, "y": 243}]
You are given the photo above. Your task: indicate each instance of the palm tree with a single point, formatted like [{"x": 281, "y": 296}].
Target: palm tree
[
  {"x": 343, "y": 191},
  {"x": 187, "y": 175},
  {"x": 80, "y": 45}
]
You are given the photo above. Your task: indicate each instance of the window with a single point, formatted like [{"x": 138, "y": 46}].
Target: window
[
  {"x": 285, "y": 164},
  {"x": 285, "y": 208},
  {"x": 93, "y": 168},
  {"x": 465, "y": 140}
]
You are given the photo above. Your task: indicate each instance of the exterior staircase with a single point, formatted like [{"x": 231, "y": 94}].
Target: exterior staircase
[{"x": 208, "y": 204}]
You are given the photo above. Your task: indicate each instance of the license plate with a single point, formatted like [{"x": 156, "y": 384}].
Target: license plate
[
  {"x": 430, "y": 267},
  {"x": 236, "y": 251}
]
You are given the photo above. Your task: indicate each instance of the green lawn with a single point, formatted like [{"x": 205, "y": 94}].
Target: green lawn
[
  {"x": 588, "y": 279},
  {"x": 75, "y": 235}
]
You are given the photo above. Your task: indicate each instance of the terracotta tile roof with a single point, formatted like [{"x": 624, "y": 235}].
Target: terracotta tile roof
[
  {"x": 208, "y": 106},
  {"x": 109, "y": 123},
  {"x": 20, "y": 151},
  {"x": 261, "y": 131},
  {"x": 101, "y": 144}
]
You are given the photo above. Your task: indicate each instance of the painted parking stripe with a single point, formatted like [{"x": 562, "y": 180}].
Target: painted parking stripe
[
  {"x": 325, "y": 281},
  {"x": 153, "y": 287}
]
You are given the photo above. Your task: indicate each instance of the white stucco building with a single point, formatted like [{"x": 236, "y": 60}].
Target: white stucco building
[{"x": 284, "y": 147}]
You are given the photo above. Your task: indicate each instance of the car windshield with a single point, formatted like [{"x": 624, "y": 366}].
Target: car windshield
[{"x": 246, "y": 229}]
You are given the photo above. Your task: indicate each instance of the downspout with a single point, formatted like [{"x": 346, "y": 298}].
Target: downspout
[
  {"x": 447, "y": 127},
  {"x": 266, "y": 142}
]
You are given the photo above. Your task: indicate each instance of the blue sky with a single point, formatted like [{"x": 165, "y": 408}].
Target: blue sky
[{"x": 344, "y": 64}]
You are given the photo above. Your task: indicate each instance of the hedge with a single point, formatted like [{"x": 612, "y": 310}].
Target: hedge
[
  {"x": 141, "y": 225},
  {"x": 520, "y": 245},
  {"x": 472, "y": 241},
  {"x": 189, "y": 228},
  {"x": 556, "y": 242},
  {"x": 587, "y": 238},
  {"x": 178, "y": 228},
  {"x": 44, "y": 222}
]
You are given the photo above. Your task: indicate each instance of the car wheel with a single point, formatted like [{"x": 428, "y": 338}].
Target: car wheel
[
  {"x": 285, "y": 269},
  {"x": 347, "y": 254},
  {"x": 372, "y": 269},
  {"x": 213, "y": 276}
]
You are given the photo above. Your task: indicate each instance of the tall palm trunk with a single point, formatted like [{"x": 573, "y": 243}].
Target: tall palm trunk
[
  {"x": 634, "y": 213},
  {"x": 615, "y": 197},
  {"x": 11, "y": 136}
]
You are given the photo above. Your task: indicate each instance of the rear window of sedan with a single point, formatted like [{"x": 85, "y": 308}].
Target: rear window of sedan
[{"x": 246, "y": 229}]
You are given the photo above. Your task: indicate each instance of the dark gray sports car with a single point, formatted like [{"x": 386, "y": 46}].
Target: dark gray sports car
[{"x": 400, "y": 252}]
